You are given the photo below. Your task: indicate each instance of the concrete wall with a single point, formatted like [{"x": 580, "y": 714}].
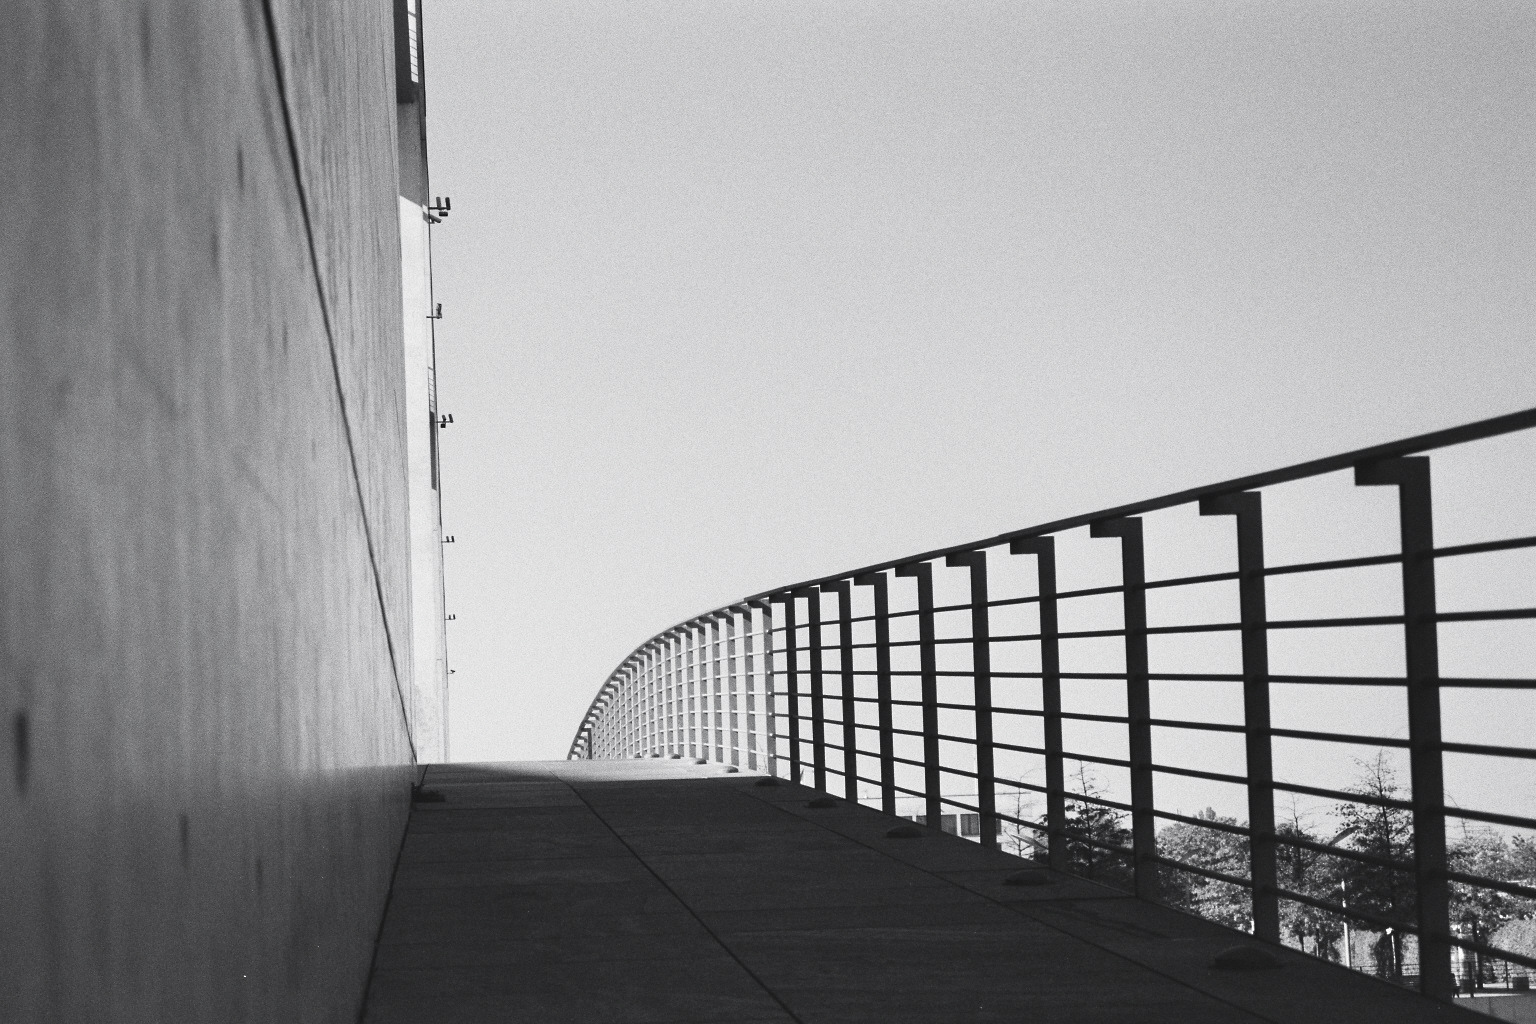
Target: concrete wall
[{"x": 203, "y": 559}]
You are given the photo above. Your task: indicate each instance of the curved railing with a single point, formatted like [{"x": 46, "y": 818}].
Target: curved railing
[{"x": 1049, "y": 696}]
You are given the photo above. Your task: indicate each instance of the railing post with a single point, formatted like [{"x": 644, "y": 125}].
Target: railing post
[
  {"x": 933, "y": 792},
  {"x": 637, "y": 728},
  {"x": 818, "y": 689},
  {"x": 626, "y": 716},
  {"x": 657, "y": 655},
  {"x": 733, "y": 702},
  {"x": 1422, "y": 655},
  {"x": 620, "y": 718},
  {"x": 1138, "y": 701},
  {"x": 641, "y": 669},
  {"x": 717, "y": 683},
  {"x": 655, "y": 671},
  {"x": 637, "y": 681},
  {"x": 701, "y": 675},
  {"x": 1247, "y": 508},
  {"x": 845, "y": 668},
  {"x": 876, "y": 581},
  {"x": 981, "y": 674},
  {"x": 690, "y": 654},
  {"x": 668, "y": 707},
  {"x": 748, "y": 688},
  {"x": 711, "y": 687},
  {"x": 675, "y": 644},
  {"x": 792, "y": 682},
  {"x": 701, "y": 660},
  {"x": 658, "y": 683},
  {"x": 1044, "y": 550},
  {"x": 770, "y": 723}
]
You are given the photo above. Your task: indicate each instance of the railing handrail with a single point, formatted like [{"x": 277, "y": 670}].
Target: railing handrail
[{"x": 1477, "y": 431}]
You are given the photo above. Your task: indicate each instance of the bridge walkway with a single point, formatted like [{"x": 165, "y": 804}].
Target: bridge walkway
[{"x": 664, "y": 892}]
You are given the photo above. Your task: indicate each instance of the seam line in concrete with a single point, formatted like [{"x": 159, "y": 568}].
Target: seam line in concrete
[
  {"x": 378, "y": 936},
  {"x": 1011, "y": 910},
  {"x": 684, "y": 904},
  {"x": 330, "y": 338}
]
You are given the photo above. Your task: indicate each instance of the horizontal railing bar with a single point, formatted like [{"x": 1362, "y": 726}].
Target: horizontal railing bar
[
  {"x": 1339, "y": 737},
  {"x": 1191, "y": 581},
  {"x": 1219, "y": 826},
  {"x": 1212, "y": 873},
  {"x": 1336, "y": 794},
  {"x": 1083, "y": 716},
  {"x": 1088, "y": 840},
  {"x": 1073, "y": 755},
  {"x": 1342, "y": 911},
  {"x": 1348, "y": 853},
  {"x": 1485, "y": 546},
  {"x": 1513, "y": 888},
  {"x": 1309, "y": 680},
  {"x": 1321, "y": 565},
  {"x": 1196, "y": 773},
  {"x": 1490, "y": 615},
  {"x": 1037, "y": 826},
  {"x": 1486, "y": 615},
  {"x": 1180, "y": 723},
  {"x": 1331, "y": 563},
  {"x": 1487, "y": 751},
  {"x": 1487, "y": 684},
  {"x": 1491, "y": 817},
  {"x": 1523, "y": 959},
  {"x": 1112, "y": 588}
]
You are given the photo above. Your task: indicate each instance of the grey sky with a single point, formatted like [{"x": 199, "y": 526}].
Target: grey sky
[{"x": 739, "y": 294}]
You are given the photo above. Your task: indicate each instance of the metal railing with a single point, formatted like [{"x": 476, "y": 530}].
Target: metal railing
[{"x": 897, "y": 692}]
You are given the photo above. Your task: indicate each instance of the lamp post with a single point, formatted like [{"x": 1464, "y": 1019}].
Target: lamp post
[{"x": 1349, "y": 942}]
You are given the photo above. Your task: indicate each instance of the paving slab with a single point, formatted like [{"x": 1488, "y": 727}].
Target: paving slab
[{"x": 660, "y": 891}]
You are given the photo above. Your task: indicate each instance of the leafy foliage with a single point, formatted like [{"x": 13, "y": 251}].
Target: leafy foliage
[{"x": 1214, "y": 850}]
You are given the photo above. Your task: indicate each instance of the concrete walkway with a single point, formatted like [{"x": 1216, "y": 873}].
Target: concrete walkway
[{"x": 667, "y": 892}]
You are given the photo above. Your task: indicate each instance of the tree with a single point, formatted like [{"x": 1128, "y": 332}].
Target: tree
[
  {"x": 1214, "y": 850},
  {"x": 1105, "y": 825},
  {"x": 1522, "y": 859},
  {"x": 1307, "y": 872},
  {"x": 1386, "y": 832},
  {"x": 1478, "y": 911},
  {"x": 1023, "y": 840}
]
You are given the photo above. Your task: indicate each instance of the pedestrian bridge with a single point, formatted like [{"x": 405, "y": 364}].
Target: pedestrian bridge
[
  {"x": 1310, "y": 654},
  {"x": 665, "y": 890}
]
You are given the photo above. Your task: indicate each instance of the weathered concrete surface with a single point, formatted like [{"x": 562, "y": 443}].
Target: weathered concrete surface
[
  {"x": 202, "y": 514},
  {"x": 659, "y": 891}
]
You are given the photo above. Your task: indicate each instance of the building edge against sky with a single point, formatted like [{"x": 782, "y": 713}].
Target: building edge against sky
[
  {"x": 418, "y": 212},
  {"x": 221, "y": 638}
]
